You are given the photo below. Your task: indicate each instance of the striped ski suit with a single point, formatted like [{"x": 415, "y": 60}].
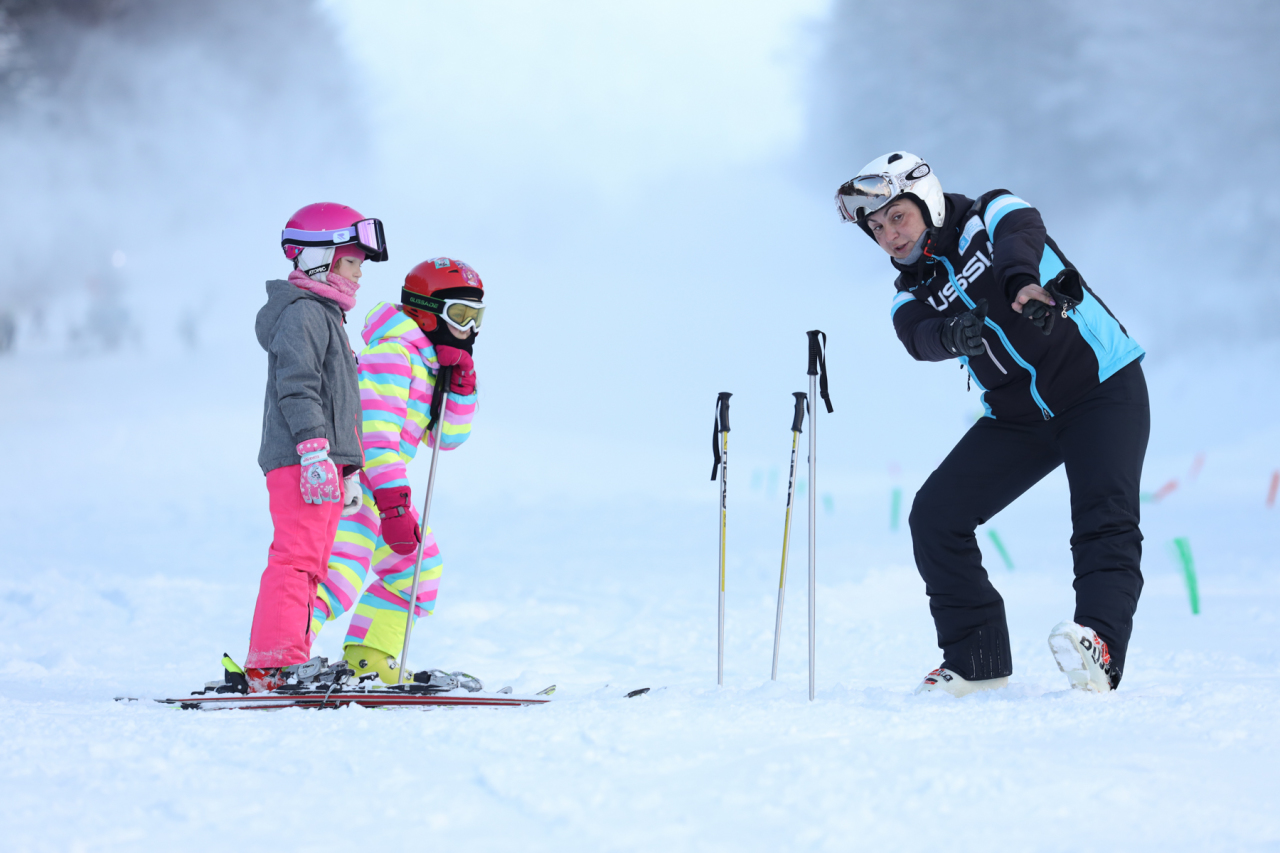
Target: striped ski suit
[{"x": 397, "y": 371}]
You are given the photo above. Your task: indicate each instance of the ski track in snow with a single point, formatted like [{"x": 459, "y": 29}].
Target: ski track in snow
[{"x": 137, "y": 580}]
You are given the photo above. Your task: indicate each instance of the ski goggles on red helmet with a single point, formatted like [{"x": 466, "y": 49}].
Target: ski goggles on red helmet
[
  {"x": 462, "y": 314},
  {"x": 367, "y": 234},
  {"x": 866, "y": 194}
]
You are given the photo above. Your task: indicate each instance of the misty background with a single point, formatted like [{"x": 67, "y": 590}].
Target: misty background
[{"x": 646, "y": 191}]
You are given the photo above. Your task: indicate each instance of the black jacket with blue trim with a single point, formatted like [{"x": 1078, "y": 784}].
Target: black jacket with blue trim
[{"x": 990, "y": 248}]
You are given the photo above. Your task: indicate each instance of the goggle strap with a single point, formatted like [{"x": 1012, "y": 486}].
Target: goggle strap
[
  {"x": 430, "y": 304},
  {"x": 357, "y": 232}
]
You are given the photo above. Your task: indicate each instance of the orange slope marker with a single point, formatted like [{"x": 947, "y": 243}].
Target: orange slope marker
[{"x": 1165, "y": 490}]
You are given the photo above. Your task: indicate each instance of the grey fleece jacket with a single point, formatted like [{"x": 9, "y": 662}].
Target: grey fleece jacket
[{"x": 312, "y": 387}]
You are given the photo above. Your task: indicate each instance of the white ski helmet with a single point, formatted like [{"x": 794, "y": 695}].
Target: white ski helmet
[{"x": 885, "y": 179}]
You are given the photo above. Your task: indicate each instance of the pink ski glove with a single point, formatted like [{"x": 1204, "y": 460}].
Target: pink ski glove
[
  {"x": 399, "y": 530},
  {"x": 320, "y": 480},
  {"x": 462, "y": 379}
]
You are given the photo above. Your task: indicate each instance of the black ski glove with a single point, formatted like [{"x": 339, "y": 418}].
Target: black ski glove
[
  {"x": 1040, "y": 315},
  {"x": 962, "y": 335}
]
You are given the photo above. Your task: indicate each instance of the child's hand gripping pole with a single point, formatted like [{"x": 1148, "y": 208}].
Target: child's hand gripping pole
[{"x": 435, "y": 427}]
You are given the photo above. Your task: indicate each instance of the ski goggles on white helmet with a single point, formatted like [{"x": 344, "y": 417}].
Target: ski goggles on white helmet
[
  {"x": 866, "y": 194},
  {"x": 367, "y": 234},
  {"x": 462, "y": 314}
]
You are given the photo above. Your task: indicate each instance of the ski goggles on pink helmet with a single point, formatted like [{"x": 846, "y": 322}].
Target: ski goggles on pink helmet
[
  {"x": 366, "y": 234},
  {"x": 462, "y": 314}
]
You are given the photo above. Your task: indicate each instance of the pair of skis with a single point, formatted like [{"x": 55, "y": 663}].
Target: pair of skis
[
  {"x": 338, "y": 696},
  {"x": 817, "y": 372},
  {"x": 395, "y": 696}
]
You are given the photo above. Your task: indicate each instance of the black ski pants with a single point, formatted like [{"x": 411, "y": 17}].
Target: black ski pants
[{"x": 1102, "y": 440}]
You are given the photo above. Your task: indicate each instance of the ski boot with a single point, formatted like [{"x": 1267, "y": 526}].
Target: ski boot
[
  {"x": 950, "y": 682},
  {"x": 266, "y": 679},
  {"x": 367, "y": 663},
  {"x": 1083, "y": 656}
]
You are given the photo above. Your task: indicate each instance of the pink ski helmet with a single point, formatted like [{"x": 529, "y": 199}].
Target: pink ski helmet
[{"x": 311, "y": 235}]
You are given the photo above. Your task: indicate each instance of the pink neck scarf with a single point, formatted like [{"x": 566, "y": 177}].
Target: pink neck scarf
[{"x": 340, "y": 290}]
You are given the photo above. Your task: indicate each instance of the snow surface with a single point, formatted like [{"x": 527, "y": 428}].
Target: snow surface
[{"x": 132, "y": 578}]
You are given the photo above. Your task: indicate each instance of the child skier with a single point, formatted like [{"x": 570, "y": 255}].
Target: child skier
[
  {"x": 981, "y": 281},
  {"x": 406, "y": 347},
  {"x": 310, "y": 426}
]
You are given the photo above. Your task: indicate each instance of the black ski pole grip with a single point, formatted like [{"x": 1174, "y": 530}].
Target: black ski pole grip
[
  {"x": 818, "y": 363},
  {"x": 815, "y": 352},
  {"x": 797, "y": 420},
  {"x": 721, "y": 425},
  {"x": 443, "y": 376}
]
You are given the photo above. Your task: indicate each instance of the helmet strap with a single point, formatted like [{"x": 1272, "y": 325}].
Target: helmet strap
[
  {"x": 315, "y": 263},
  {"x": 930, "y": 243},
  {"x": 924, "y": 210}
]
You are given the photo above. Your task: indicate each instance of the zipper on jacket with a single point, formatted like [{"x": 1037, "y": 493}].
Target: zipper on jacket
[
  {"x": 1061, "y": 298},
  {"x": 992, "y": 356},
  {"x": 1035, "y": 393}
]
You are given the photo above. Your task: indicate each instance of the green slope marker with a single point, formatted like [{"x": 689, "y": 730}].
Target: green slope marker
[
  {"x": 1183, "y": 547},
  {"x": 1004, "y": 555},
  {"x": 895, "y": 507}
]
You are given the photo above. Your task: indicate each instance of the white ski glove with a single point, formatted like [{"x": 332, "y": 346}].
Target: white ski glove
[{"x": 352, "y": 494}]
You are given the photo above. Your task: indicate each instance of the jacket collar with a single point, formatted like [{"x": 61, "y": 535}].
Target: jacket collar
[{"x": 942, "y": 240}]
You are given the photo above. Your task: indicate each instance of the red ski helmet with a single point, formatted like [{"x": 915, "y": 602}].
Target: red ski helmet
[
  {"x": 312, "y": 233},
  {"x": 430, "y": 284}
]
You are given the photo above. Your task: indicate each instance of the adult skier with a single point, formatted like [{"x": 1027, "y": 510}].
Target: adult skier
[
  {"x": 406, "y": 347},
  {"x": 979, "y": 280},
  {"x": 310, "y": 451}
]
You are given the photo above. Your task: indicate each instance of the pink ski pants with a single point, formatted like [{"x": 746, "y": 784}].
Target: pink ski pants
[{"x": 296, "y": 563}]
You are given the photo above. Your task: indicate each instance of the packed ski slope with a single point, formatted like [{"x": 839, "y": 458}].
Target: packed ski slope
[{"x": 136, "y": 533}]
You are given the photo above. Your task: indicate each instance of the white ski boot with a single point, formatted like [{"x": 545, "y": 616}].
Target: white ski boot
[
  {"x": 1082, "y": 655},
  {"x": 949, "y": 682}
]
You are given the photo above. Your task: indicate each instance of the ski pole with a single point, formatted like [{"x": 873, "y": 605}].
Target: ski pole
[
  {"x": 817, "y": 382},
  {"x": 720, "y": 451},
  {"x": 434, "y": 427},
  {"x": 797, "y": 421}
]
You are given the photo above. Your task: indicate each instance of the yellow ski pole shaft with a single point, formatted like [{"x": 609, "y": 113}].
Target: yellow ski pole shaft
[
  {"x": 720, "y": 448},
  {"x": 442, "y": 386},
  {"x": 797, "y": 422}
]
